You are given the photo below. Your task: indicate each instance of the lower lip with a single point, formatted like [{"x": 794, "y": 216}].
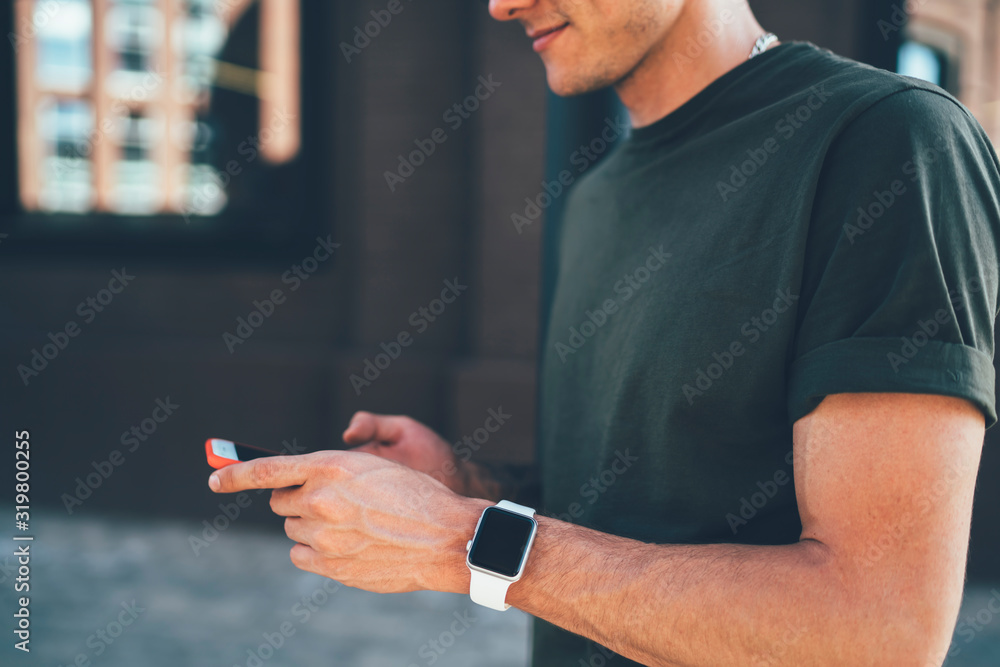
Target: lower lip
[{"x": 542, "y": 42}]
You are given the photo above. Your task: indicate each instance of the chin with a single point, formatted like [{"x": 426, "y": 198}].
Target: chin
[{"x": 569, "y": 84}]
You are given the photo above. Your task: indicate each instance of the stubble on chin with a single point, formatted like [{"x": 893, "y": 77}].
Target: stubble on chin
[
  {"x": 586, "y": 78},
  {"x": 642, "y": 18}
]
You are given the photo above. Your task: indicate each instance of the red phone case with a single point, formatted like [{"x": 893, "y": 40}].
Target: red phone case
[{"x": 219, "y": 462}]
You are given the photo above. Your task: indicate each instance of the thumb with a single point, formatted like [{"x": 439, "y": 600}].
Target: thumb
[{"x": 367, "y": 427}]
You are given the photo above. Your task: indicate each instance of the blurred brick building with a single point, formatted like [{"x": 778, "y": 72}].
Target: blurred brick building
[{"x": 957, "y": 40}]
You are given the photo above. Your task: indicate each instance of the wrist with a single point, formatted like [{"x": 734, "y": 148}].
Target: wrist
[
  {"x": 499, "y": 551},
  {"x": 519, "y": 592},
  {"x": 461, "y": 522}
]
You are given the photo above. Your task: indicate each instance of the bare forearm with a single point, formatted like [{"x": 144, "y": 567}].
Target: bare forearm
[{"x": 712, "y": 604}]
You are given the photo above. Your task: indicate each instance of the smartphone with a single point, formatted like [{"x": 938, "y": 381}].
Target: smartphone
[{"x": 222, "y": 453}]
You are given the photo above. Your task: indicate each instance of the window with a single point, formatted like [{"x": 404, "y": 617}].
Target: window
[
  {"x": 158, "y": 118},
  {"x": 930, "y": 52},
  {"x": 922, "y": 62}
]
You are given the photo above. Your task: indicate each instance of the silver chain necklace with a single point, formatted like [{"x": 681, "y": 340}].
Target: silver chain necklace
[{"x": 764, "y": 41}]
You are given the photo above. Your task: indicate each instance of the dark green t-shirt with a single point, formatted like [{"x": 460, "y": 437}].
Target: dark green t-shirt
[{"x": 805, "y": 225}]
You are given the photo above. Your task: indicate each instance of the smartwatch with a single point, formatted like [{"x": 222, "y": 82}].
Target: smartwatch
[{"x": 498, "y": 551}]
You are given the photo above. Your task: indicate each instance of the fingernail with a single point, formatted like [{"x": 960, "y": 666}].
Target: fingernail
[{"x": 213, "y": 482}]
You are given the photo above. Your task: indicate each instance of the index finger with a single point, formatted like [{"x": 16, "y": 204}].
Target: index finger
[{"x": 272, "y": 472}]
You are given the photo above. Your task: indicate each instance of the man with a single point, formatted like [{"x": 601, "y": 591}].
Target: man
[{"x": 767, "y": 375}]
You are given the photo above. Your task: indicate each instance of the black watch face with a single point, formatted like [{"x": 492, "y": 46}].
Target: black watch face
[{"x": 500, "y": 542}]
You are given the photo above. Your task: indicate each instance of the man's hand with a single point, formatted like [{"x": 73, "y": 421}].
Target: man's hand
[
  {"x": 364, "y": 521},
  {"x": 407, "y": 441}
]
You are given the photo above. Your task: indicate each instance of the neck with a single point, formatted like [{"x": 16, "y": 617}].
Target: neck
[{"x": 707, "y": 40}]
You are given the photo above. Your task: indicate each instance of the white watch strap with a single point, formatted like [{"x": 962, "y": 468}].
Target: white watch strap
[
  {"x": 514, "y": 507},
  {"x": 489, "y": 591},
  {"x": 486, "y": 589}
]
